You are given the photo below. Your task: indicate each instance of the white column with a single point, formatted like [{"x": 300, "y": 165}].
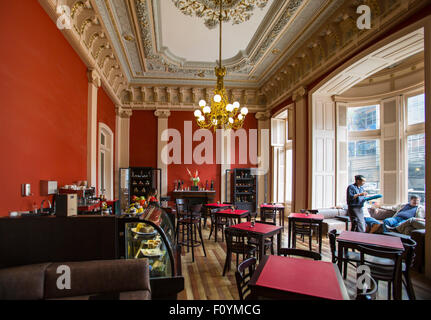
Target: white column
[
  {"x": 94, "y": 83},
  {"x": 263, "y": 123},
  {"x": 300, "y": 147},
  {"x": 428, "y": 146},
  {"x": 162, "y": 124},
  {"x": 122, "y": 141}
]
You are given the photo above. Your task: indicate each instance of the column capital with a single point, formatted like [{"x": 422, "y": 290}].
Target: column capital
[
  {"x": 298, "y": 93},
  {"x": 94, "y": 77},
  {"x": 123, "y": 113},
  {"x": 263, "y": 116},
  {"x": 162, "y": 114}
]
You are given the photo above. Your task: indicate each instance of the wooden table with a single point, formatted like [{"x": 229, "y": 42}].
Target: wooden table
[
  {"x": 298, "y": 279},
  {"x": 261, "y": 231},
  {"x": 352, "y": 240},
  {"x": 230, "y": 214},
  {"x": 305, "y": 218},
  {"x": 272, "y": 207}
]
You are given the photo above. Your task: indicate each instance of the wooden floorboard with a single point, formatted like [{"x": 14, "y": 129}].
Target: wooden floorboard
[{"x": 204, "y": 281}]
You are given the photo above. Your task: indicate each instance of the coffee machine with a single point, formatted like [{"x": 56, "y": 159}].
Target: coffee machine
[{"x": 66, "y": 205}]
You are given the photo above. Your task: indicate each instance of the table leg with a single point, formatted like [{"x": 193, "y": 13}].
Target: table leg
[
  {"x": 289, "y": 222},
  {"x": 261, "y": 247},
  {"x": 279, "y": 235},
  {"x": 216, "y": 226},
  {"x": 320, "y": 237},
  {"x": 340, "y": 257}
]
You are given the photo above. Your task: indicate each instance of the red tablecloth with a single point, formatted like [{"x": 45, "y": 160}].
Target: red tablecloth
[
  {"x": 308, "y": 277},
  {"x": 305, "y": 216},
  {"x": 258, "y": 227},
  {"x": 233, "y": 212},
  {"x": 218, "y": 205},
  {"x": 372, "y": 239},
  {"x": 271, "y": 206}
]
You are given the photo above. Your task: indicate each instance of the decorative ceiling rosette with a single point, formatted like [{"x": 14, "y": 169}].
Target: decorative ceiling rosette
[{"x": 237, "y": 11}]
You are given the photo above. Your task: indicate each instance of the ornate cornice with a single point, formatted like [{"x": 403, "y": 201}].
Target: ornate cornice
[
  {"x": 298, "y": 94},
  {"x": 123, "y": 113},
  {"x": 263, "y": 116},
  {"x": 94, "y": 77},
  {"x": 162, "y": 114}
]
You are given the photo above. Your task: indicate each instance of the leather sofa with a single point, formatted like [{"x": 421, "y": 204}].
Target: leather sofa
[
  {"x": 91, "y": 280},
  {"x": 339, "y": 220}
]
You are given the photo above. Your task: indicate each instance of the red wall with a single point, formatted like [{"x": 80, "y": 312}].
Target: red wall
[
  {"x": 43, "y": 122},
  {"x": 105, "y": 114},
  {"x": 250, "y": 122},
  {"x": 179, "y": 171},
  {"x": 143, "y": 139}
]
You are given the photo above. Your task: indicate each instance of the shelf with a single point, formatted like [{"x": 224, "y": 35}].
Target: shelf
[{"x": 245, "y": 193}]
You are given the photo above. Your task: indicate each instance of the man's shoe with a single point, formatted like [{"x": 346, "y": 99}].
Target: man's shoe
[{"x": 376, "y": 228}]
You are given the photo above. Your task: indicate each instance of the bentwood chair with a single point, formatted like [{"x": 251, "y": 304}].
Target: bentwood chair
[
  {"x": 268, "y": 214},
  {"x": 268, "y": 243},
  {"x": 236, "y": 244},
  {"x": 407, "y": 262},
  {"x": 381, "y": 269},
  {"x": 300, "y": 253},
  {"x": 350, "y": 257},
  {"x": 193, "y": 226},
  {"x": 243, "y": 277}
]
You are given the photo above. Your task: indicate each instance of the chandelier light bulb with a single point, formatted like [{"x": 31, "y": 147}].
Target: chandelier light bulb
[
  {"x": 240, "y": 117},
  {"x": 229, "y": 108},
  {"x": 202, "y": 103},
  {"x": 244, "y": 111},
  {"x": 198, "y": 113},
  {"x": 236, "y": 105},
  {"x": 217, "y": 98},
  {"x": 201, "y": 118},
  {"x": 207, "y": 110},
  {"x": 231, "y": 120}
]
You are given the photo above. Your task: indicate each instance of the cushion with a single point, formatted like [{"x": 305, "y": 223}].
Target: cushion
[
  {"x": 381, "y": 214},
  {"x": 329, "y": 213},
  {"x": 331, "y": 224}
]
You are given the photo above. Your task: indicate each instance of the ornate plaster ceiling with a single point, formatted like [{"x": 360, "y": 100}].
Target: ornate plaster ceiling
[{"x": 157, "y": 43}]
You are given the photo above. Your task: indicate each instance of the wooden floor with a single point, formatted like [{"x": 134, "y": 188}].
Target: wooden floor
[{"x": 204, "y": 280}]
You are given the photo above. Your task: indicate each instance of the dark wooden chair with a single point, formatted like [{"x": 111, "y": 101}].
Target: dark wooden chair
[
  {"x": 300, "y": 253},
  {"x": 182, "y": 213},
  {"x": 408, "y": 257},
  {"x": 305, "y": 229},
  {"x": 192, "y": 223},
  {"x": 268, "y": 214},
  {"x": 221, "y": 222},
  {"x": 243, "y": 277},
  {"x": 268, "y": 244},
  {"x": 370, "y": 293},
  {"x": 349, "y": 257},
  {"x": 385, "y": 265},
  {"x": 236, "y": 244}
]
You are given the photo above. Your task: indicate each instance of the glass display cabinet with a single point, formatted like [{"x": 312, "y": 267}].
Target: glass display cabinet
[{"x": 145, "y": 239}]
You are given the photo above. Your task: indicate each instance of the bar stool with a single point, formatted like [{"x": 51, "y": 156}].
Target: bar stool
[
  {"x": 182, "y": 213},
  {"x": 193, "y": 225}
]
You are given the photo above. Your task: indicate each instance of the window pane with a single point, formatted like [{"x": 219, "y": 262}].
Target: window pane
[
  {"x": 102, "y": 171},
  {"x": 364, "y": 118},
  {"x": 416, "y": 157},
  {"x": 416, "y": 109},
  {"x": 288, "y": 175},
  {"x": 281, "y": 174},
  {"x": 364, "y": 159}
]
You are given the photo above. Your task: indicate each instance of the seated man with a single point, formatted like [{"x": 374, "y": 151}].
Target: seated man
[{"x": 403, "y": 212}]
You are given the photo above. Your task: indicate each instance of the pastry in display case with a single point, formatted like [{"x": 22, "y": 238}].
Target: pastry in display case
[{"x": 151, "y": 236}]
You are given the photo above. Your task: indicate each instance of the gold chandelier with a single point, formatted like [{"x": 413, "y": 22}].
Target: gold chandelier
[{"x": 221, "y": 114}]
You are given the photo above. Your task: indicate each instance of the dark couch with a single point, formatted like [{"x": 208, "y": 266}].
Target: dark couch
[{"x": 91, "y": 280}]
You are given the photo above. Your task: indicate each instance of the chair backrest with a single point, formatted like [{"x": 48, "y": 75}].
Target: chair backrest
[
  {"x": 181, "y": 206},
  {"x": 195, "y": 209},
  {"x": 409, "y": 251},
  {"x": 243, "y": 277},
  {"x": 380, "y": 269},
  {"x": 235, "y": 239},
  {"x": 370, "y": 292},
  {"x": 299, "y": 253},
  {"x": 332, "y": 235}
]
